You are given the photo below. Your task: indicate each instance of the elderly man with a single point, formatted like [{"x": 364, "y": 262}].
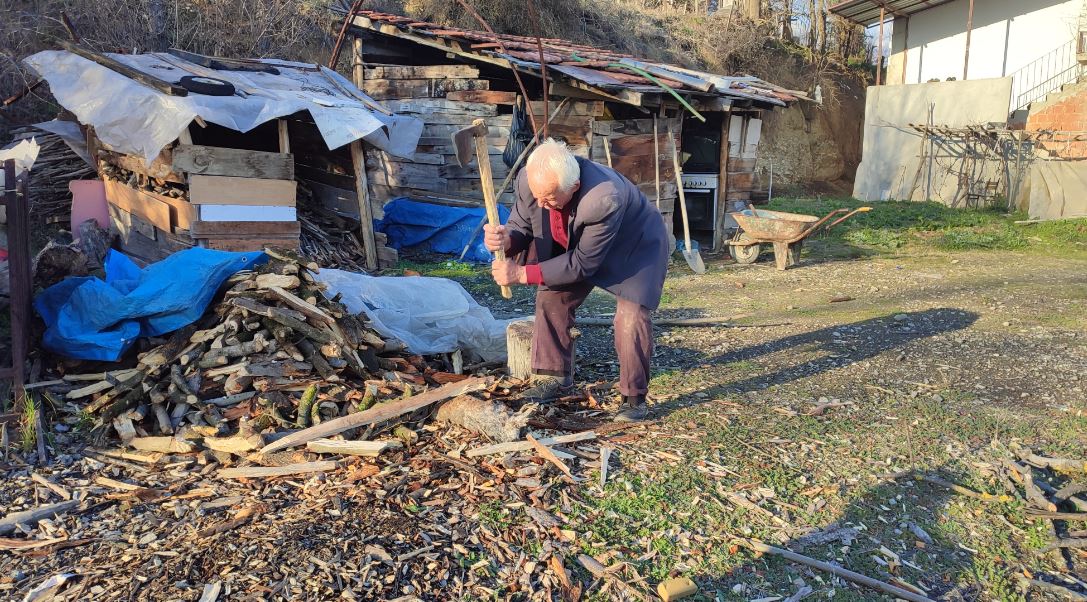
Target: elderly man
[{"x": 590, "y": 227}]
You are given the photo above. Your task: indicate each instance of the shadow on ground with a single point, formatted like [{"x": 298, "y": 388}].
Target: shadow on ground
[{"x": 828, "y": 349}]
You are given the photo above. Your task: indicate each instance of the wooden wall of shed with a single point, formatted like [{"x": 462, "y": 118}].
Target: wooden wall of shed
[
  {"x": 434, "y": 173},
  {"x": 630, "y": 144}
]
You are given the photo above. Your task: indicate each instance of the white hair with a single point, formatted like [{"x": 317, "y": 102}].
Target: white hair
[{"x": 553, "y": 156}]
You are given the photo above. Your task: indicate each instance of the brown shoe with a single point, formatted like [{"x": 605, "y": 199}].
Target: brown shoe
[
  {"x": 633, "y": 409},
  {"x": 548, "y": 388}
]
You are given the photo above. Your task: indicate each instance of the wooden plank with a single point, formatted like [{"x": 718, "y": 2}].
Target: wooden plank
[
  {"x": 201, "y": 229},
  {"x": 444, "y": 105},
  {"x": 627, "y": 127},
  {"x": 241, "y": 245},
  {"x": 220, "y": 161},
  {"x": 255, "y": 472},
  {"x": 738, "y": 195},
  {"x": 247, "y": 213},
  {"x": 737, "y": 164},
  {"x": 232, "y": 190},
  {"x": 420, "y": 72},
  {"x": 722, "y": 185},
  {"x": 573, "y": 107},
  {"x": 463, "y": 120},
  {"x": 446, "y": 131},
  {"x": 640, "y": 144},
  {"x": 640, "y": 168},
  {"x": 382, "y": 89},
  {"x": 407, "y": 169},
  {"x": 362, "y": 195},
  {"x": 127, "y": 223},
  {"x": 381, "y": 413},
  {"x": 494, "y": 97},
  {"x": 741, "y": 181},
  {"x": 284, "y": 139},
  {"x": 161, "y": 168},
  {"x": 138, "y": 202},
  {"x": 444, "y": 146}
]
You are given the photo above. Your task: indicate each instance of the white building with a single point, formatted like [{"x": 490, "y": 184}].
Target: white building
[{"x": 982, "y": 102}]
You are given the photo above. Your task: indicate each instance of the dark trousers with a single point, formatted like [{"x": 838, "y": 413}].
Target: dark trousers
[{"x": 552, "y": 345}]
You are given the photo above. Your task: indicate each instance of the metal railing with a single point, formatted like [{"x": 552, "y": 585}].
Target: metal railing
[{"x": 1045, "y": 74}]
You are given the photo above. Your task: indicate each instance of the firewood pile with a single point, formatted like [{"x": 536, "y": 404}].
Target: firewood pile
[
  {"x": 331, "y": 240},
  {"x": 273, "y": 354},
  {"x": 57, "y": 164},
  {"x": 284, "y": 438},
  {"x": 140, "y": 181}
]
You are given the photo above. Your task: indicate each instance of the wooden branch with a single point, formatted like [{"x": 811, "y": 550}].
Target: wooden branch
[
  {"x": 32, "y": 516},
  {"x": 837, "y": 570},
  {"x": 167, "y": 445},
  {"x": 252, "y": 472},
  {"x": 502, "y": 448},
  {"x": 1058, "y": 464},
  {"x": 1078, "y": 543},
  {"x": 310, "y": 310},
  {"x": 352, "y": 448},
  {"x": 985, "y": 497},
  {"x": 1052, "y": 588},
  {"x": 1076, "y": 516},
  {"x": 134, "y": 74},
  {"x": 381, "y": 413}
]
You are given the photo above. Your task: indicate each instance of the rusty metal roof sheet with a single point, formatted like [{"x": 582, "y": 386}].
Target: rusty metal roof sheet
[
  {"x": 866, "y": 12},
  {"x": 613, "y": 72}
]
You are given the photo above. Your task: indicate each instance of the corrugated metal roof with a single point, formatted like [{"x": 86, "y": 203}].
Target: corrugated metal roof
[
  {"x": 607, "y": 70},
  {"x": 866, "y": 12}
]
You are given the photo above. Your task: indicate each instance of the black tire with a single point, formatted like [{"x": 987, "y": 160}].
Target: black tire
[
  {"x": 745, "y": 254},
  {"x": 208, "y": 86}
]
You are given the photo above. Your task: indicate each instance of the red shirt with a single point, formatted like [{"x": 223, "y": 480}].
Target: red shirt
[{"x": 559, "y": 220}]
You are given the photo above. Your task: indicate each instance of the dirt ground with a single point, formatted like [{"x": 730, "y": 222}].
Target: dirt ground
[{"x": 787, "y": 426}]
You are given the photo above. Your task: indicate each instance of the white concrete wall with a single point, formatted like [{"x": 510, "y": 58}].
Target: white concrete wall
[
  {"x": 1007, "y": 35},
  {"x": 891, "y": 165}
]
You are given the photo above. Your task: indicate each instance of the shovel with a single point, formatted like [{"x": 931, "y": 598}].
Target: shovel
[
  {"x": 694, "y": 258},
  {"x": 463, "y": 141}
]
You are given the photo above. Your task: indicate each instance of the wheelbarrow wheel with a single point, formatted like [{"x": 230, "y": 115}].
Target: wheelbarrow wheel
[{"x": 745, "y": 254}]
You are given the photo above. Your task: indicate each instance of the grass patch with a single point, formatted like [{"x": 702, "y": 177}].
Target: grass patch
[
  {"x": 441, "y": 269},
  {"x": 892, "y": 226}
]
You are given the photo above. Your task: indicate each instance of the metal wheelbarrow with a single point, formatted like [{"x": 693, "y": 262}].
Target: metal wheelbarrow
[{"x": 786, "y": 231}]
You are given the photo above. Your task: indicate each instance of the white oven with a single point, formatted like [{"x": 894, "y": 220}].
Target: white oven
[{"x": 700, "y": 190}]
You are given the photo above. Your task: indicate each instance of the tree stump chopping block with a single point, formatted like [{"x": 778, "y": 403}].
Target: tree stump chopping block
[{"x": 519, "y": 347}]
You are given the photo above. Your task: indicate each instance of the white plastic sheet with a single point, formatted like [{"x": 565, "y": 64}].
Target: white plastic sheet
[
  {"x": 430, "y": 315},
  {"x": 136, "y": 119}
]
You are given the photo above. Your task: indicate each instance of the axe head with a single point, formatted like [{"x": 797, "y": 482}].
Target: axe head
[{"x": 464, "y": 141}]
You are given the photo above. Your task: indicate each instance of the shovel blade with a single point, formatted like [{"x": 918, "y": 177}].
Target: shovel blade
[{"x": 694, "y": 260}]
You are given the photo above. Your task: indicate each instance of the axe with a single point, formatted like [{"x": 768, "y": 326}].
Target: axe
[{"x": 463, "y": 140}]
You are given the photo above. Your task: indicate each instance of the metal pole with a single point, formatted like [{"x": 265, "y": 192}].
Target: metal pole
[
  {"x": 879, "y": 46},
  {"x": 969, "y": 27}
]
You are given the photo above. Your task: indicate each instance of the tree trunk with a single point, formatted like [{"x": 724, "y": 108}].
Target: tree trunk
[
  {"x": 157, "y": 12},
  {"x": 752, "y": 9}
]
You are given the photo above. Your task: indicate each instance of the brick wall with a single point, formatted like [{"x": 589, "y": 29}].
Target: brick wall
[{"x": 1067, "y": 113}]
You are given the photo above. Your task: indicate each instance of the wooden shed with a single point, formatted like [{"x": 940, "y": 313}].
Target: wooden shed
[
  {"x": 609, "y": 107},
  {"x": 230, "y": 154}
]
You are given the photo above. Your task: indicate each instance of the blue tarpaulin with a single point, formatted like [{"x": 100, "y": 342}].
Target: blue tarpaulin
[
  {"x": 93, "y": 319},
  {"x": 436, "y": 228}
]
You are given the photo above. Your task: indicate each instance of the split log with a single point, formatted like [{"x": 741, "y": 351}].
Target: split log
[
  {"x": 546, "y": 453},
  {"x": 252, "y": 472},
  {"x": 381, "y": 413},
  {"x": 352, "y": 448},
  {"x": 310, "y": 310},
  {"x": 32, "y": 516},
  {"x": 238, "y": 444},
  {"x": 280, "y": 281},
  {"x": 503, "y": 448},
  {"x": 486, "y": 417},
  {"x": 166, "y": 445}
]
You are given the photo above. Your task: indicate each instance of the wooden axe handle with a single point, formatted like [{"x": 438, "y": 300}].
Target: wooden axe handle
[{"x": 487, "y": 182}]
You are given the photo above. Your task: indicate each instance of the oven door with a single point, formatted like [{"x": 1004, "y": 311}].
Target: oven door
[{"x": 701, "y": 215}]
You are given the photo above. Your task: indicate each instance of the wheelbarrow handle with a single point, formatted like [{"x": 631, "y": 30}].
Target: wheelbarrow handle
[
  {"x": 814, "y": 227},
  {"x": 848, "y": 215}
]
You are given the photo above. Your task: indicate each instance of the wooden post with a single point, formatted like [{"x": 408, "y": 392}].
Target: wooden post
[
  {"x": 722, "y": 184},
  {"x": 284, "y": 139},
  {"x": 879, "y": 45},
  {"x": 358, "y": 159},
  {"x": 969, "y": 28}
]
